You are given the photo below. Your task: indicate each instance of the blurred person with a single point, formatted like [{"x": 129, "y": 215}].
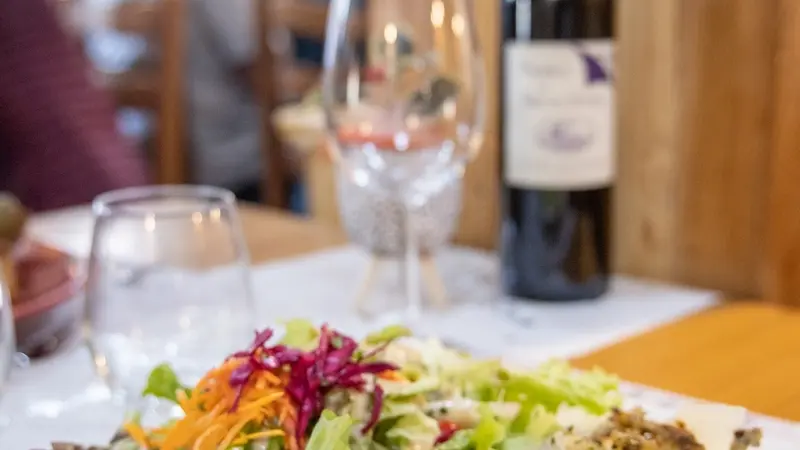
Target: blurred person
[
  {"x": 58, "y": 140},
  {"x": 224, "y": 113}
]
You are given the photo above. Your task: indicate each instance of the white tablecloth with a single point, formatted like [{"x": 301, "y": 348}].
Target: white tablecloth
[{"x": 60, "y": 398}]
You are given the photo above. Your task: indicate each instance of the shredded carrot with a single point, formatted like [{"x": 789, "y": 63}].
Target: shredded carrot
[
  {"x": 290, "y": 427},
  {"x": 231, "y": 435},
  {"x": 136, "y": 433},
  {"x": 255, "y": 436},
  {"x": 392, "y": 375},
  {"x": 205, "y": 441},
  {"x": 209, "y": 423}
]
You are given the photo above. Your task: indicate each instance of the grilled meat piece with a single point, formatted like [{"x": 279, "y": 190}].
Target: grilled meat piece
[
  {"x": 744, "y": 439},
  {"x": 67, "y": 446},
  {"x": 121, "y": 440},
  {"x": 632, "y": 431}
]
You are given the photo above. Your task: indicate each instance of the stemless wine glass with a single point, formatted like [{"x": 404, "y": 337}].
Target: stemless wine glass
[
  {"x": 168, "y": 282},
  {"x": 403, "y": 92}
]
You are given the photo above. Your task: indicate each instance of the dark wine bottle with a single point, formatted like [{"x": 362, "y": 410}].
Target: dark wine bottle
[{"x": 558, "y": 148}]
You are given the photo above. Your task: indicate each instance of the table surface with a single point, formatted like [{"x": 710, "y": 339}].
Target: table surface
[{"x": 744, "y": 353}]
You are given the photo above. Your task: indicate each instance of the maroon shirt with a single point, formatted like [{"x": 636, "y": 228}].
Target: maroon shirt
[{"x": 59, "y": 144}]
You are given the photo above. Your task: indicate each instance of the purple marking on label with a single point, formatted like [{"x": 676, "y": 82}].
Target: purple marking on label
[
  {"x": 596, "y": 72},
  {"x": 564, "y": 135}
]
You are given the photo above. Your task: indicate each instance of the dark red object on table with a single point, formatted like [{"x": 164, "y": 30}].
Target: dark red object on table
[{"x": 47, "y": 306}]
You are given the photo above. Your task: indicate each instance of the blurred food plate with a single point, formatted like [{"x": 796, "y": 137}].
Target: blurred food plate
[
  {"x": 301, "y": 125},
  {"x": 47, "y": 307}
]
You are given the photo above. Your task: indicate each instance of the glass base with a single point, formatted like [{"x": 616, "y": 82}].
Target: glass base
[{"x": 381, "y": 296}]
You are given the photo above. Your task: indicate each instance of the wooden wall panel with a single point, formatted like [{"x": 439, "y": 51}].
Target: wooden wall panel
[
  {"x": 648, "y": 111},
  {"x": 481, "y": 209},
  {"x": 695, "y": 135},
  {"x": 783, "y": 245},
  {"x": 728, "y": 52}
]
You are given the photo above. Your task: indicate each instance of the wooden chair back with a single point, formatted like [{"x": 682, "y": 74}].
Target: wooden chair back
[
  {"x": 276, "y": 175},
  {"x": 281, "y": 78},
  {"x": 157, "y": 85}
]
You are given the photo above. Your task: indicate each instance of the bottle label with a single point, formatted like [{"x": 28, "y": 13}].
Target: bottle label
[{"x": 559, "y": 122}]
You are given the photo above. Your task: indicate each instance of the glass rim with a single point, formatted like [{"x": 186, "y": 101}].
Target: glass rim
[{"x": 120, "y": 201}]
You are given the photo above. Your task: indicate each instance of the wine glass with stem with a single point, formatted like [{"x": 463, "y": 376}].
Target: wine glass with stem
[{"x": 403, "y": 92}]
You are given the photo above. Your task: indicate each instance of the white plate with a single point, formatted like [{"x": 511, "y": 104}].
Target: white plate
[{"x": 90, "y": 417}]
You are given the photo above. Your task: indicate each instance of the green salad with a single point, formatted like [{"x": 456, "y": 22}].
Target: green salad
[{"x": 319, "y": 389}]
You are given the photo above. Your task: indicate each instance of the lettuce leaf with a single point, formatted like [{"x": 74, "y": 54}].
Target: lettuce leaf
[
  {"x": 365, "y": 443},
  {"x": 555, "y": 384},
  {"x": 461, "y": 440},
  {"x": 331, "y": 432},
  {"x": 406, "y": 389},
  {"x": 414, "y": 430},
  {"x": 387, "y": 334},
  {"x": 300, "y": 334},
  {"x": 397, "y": 408},
  {"x": 163, "y": 383},
  {"x": 520, "y": 443},
  {"x": 541, "y": 424},
  {"x": 437, "y": 358},
  {"x": 489, "y": 431},
  {"x": 479, "y": 380}
]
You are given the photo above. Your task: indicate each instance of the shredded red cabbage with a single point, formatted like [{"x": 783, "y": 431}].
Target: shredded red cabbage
[
  {"x": 259, "y": 357},
  {"x": 314, "y": 374}
]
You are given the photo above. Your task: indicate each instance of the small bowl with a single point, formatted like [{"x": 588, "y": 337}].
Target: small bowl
[
  {"x": 47, "y": 308},
  {"x": 302, "y": 126}
]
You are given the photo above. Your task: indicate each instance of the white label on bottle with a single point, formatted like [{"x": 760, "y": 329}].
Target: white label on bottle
[{"x": 559, "y": 121}]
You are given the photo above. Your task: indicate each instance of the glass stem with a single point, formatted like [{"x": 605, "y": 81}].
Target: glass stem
[{"x": 411, "y": 264}]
